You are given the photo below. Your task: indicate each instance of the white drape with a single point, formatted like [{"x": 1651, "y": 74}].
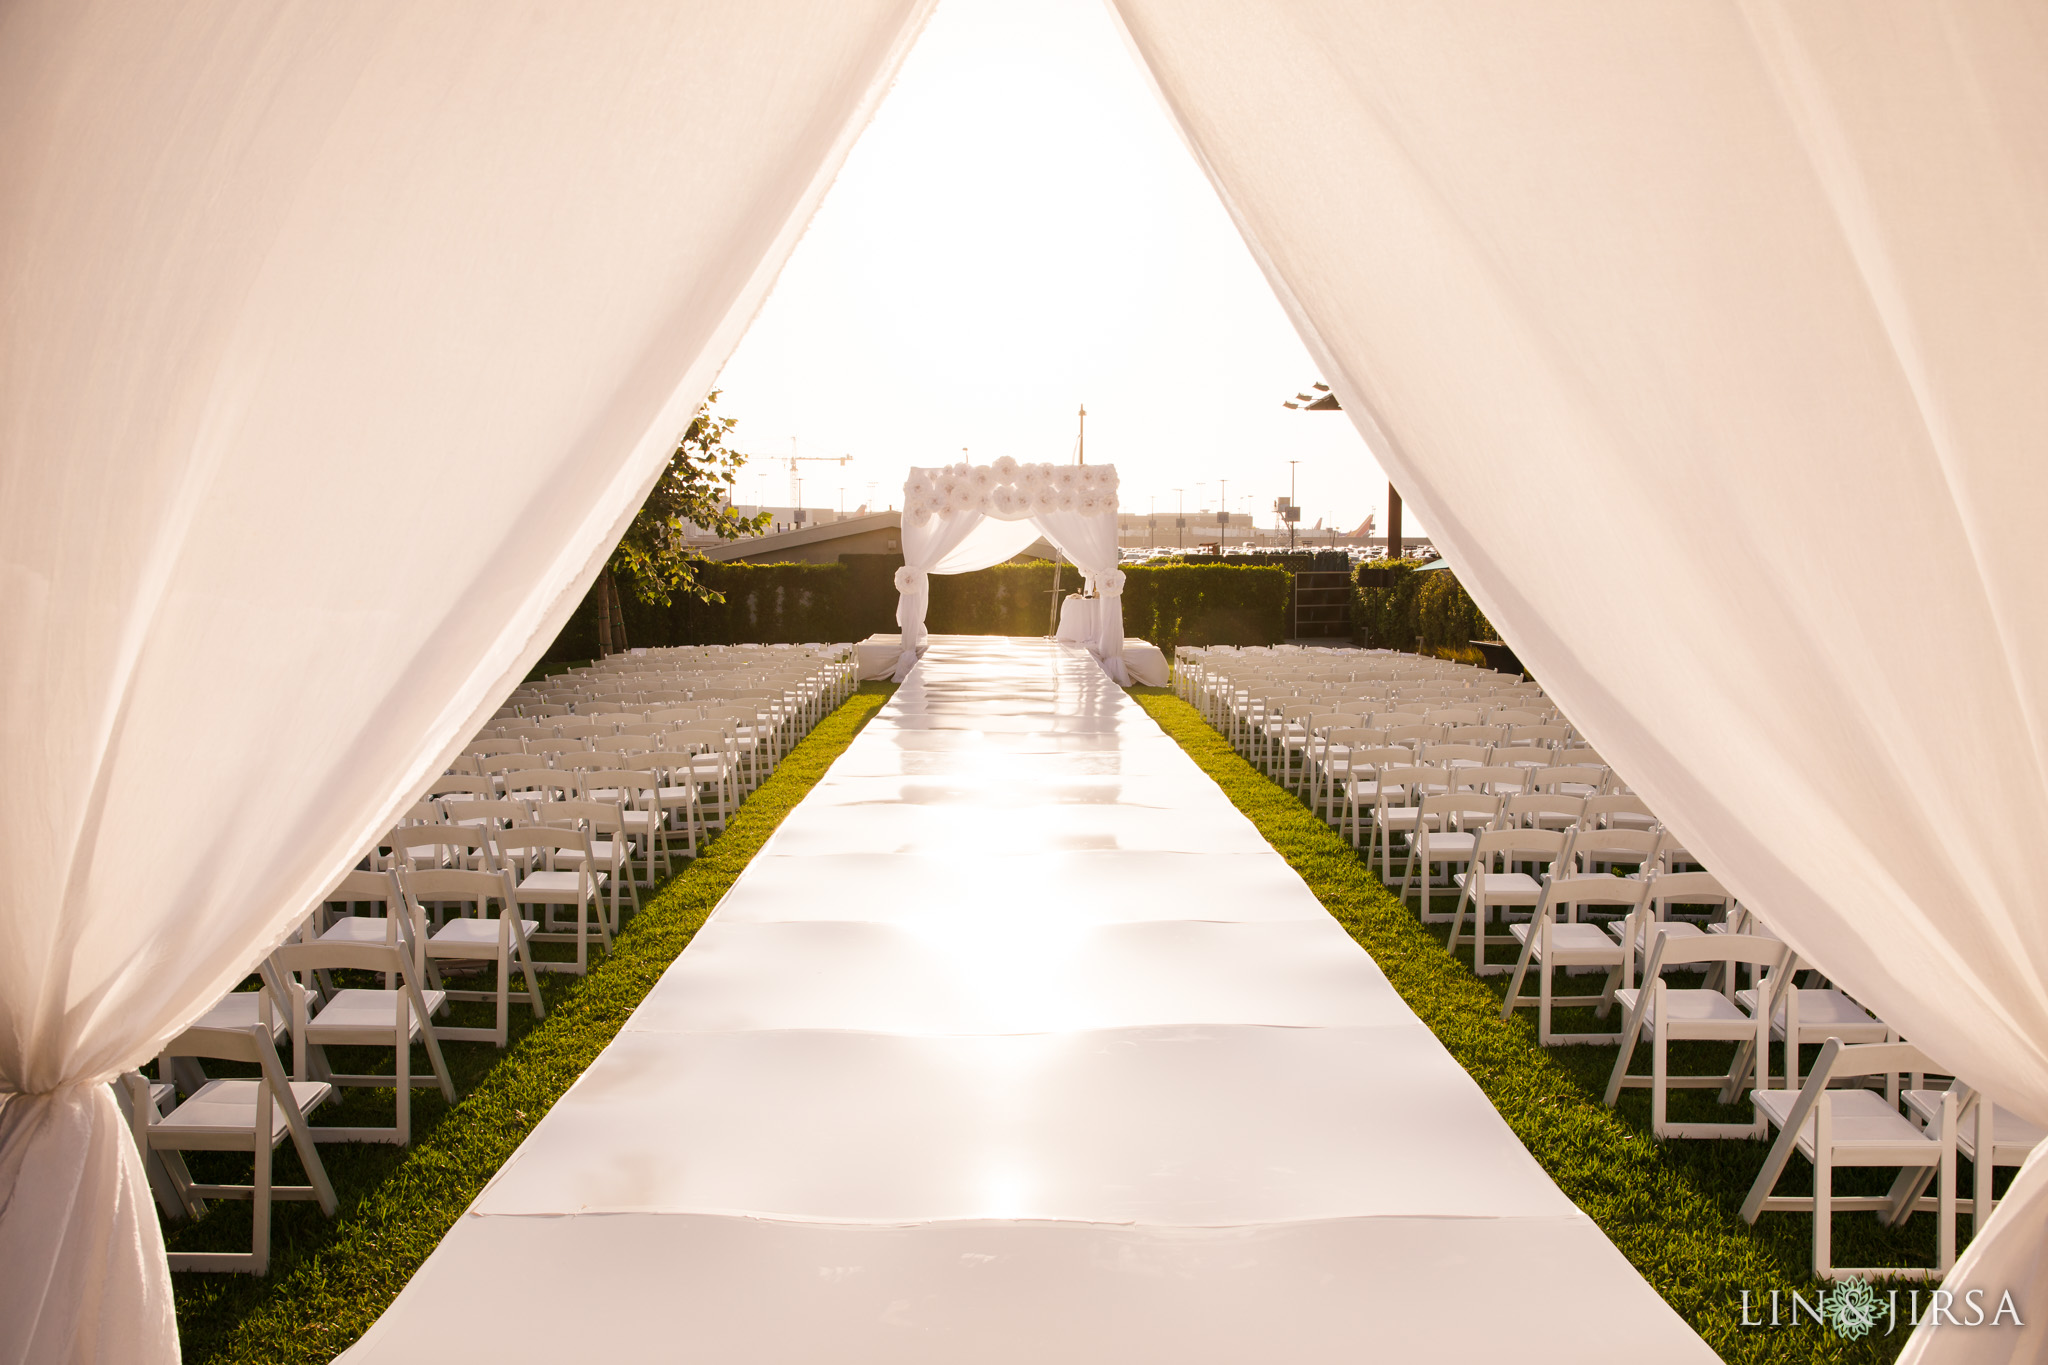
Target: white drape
[
  {"x": 1090, "y": 541},
  {"x": 1709, "y": 341},
  {"x": 956, "y": 544},
  {"x": 960, "y": 518},
  {"x": 337, "y": 344}
]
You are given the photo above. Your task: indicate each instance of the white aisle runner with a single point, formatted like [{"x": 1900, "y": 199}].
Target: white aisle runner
[{"x": 1018, "y": 1043}]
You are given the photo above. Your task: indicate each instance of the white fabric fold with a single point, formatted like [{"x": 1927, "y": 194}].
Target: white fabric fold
[
  {"x": 1708, "y": 341},
  {"x": 338, "y": 345},
  {"x": 1090, "y": 541}
]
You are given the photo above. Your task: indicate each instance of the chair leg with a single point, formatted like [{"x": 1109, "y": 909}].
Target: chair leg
[
  {"x": 260, "y": 1214},
  {"x": 404, "y": 1078},
  {"x": 1659, "y": 1074},
  {"x": 1823, "y": 1187}
]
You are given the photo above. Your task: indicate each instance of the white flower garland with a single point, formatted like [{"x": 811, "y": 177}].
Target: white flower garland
[{"x": 1009, "y": 491}]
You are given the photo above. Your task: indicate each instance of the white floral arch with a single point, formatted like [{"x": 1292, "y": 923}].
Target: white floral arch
[{"x": 962, "y": 517}]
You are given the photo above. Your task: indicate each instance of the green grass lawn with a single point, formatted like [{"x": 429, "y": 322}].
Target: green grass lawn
[
  {"x": 1672, "y": 1207},
  {"x": 329, "y": 1279}
]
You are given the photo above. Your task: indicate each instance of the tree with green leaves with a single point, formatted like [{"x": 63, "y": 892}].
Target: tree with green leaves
[{"x": 695, "y": 491}]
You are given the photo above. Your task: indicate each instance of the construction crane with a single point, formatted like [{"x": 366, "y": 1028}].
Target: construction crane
[{"x": 796, "y": 488}]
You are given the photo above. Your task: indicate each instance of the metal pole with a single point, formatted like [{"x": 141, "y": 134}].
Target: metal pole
[{"x": 1054, "y": 621}]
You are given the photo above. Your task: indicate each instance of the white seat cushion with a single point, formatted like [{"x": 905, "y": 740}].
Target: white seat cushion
[
  {"x": 562, "y": 887},
  {"x": 1827, "y": 1011},
  {"x": 2010, "y": 1133},
  {"x": 227, "y": 1109},
  {"x": 1582, "y": 941},
  {"x": 239, "y": 1009},
  {"x": 470, "y": 937},
  {"x": 361, "y": 929},
  {"x": 1517, "y": 887},
  {"x": 1694, "y": 1008},
  {"x": 1862, "y": 1118},
  {"x": 370, "y": 1015}
]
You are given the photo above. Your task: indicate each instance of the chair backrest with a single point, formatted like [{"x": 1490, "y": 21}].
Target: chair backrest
[
  {"x": 1443, "y": 753},
  {"x": 355, "y": 888},
  {"x": 1561, "y": 775},
  {"x": 1488, "y": 735},
  {"x": 1531, "y": 808},
  {"x": 544, "y": 840},
  {"x": 589, "y": 761},
  {"x": 1641, "y": 847},
  {"x": 508, "y": 762},
  {"x": 1459, "y": 807},
  {"x": 1581, "y": 755},
  {"x": 599, "y": 817},
  {"x": 1522, "y": 845},
  {"x": 414, "y": 845},
  {"x": 1558, "y": 891},
  {"x": 554, "y": 748},
  {"x": 1689, "y": 888},
  {"x": 637, "y": 743},
  {"x": 1454, "y": 716},
  {"x": 1601, "y": 809},
  {"x": 543, "y": 784},
  {"x": 1530, "y": 733},
  {"x": 461, "y": 784},
  {"x": 585, "y": 728},
  {"x": 459, "y": 886},
  {"x": 1494, "y": 779}
]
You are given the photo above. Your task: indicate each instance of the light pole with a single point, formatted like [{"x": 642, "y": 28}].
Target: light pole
[
  {"x": 1180, "y": 519},
  {"x": 1222, "y": 514},
  {"x": 1293, "y": 509}
]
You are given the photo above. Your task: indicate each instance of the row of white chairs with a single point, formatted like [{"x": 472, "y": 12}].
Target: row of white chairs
[
  {"x": 1541, "y": 848},
  {"x": 520, "y": 843}
]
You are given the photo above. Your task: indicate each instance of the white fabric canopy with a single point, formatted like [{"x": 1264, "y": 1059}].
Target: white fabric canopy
[
  {"x": 1709, "y": 340},
  {"x": 337, "y": 344},
  {"x": 959, "y": 518}
]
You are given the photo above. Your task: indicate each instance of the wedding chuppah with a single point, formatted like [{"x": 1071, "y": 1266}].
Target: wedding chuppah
[
  {"x": 963, "y": 517},
  {"x": 1017, "y": 1043}
]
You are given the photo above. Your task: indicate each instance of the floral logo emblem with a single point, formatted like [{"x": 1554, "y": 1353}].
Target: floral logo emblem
[{"x": 1852, "y": 1310}]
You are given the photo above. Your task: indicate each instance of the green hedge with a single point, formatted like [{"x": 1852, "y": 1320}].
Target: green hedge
[
  {"x": 855, "y": 598},
  {"x": 1431, "y": 608}
]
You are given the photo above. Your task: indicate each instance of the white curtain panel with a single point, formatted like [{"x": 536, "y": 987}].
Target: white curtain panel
[
  {"x": 1090, "y": 541},
  {"x": 338, "y": 342},
  {"x": 956, "y": 544},
  {"x": 962, "y": 517},
  {"x": 1709, "y": 341}
]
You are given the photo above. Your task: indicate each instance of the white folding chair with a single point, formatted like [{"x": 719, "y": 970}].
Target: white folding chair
[
  {"x": 1554, "y": 938},
  {"x": 1854, "y": 1126},
  {"x": 1487, "y": 894},
  {"x": 1987, "y": 1136},
  {"x": 252, "y": 1116},
  {"x": 576, "y": 885},
  {"x": 356, "y": 1017},
  {"x": 1685, "y": 1014},
  {"x": 474, "y": 936}
]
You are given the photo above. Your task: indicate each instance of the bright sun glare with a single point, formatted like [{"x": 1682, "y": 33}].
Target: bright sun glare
[{"x": 1022, "y": 230}]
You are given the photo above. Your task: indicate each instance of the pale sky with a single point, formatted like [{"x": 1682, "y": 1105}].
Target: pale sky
[{"x": 1021, "y": 230}]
